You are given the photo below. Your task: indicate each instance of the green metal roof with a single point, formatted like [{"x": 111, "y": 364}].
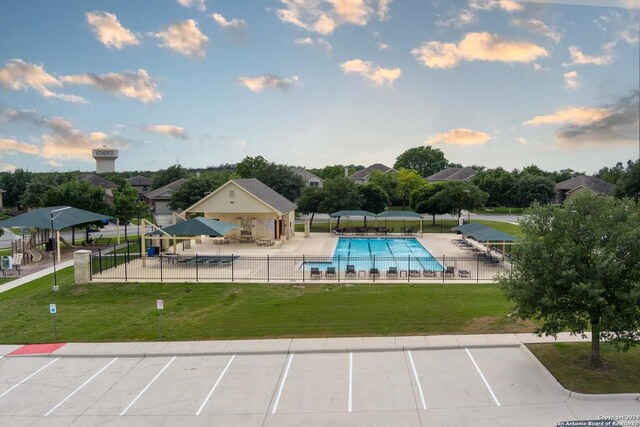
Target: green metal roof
[
  {"x": 352, "y": 213},
  {"x": 63, "y": 217},
  {"x": 198, "y": 227},
  {"x": 400, "y": 214},
  {"x": 482, "y": 233}
]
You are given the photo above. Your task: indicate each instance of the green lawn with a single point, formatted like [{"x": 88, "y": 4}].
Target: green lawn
[
  {"x": 506, "y": 227},
  {"x": 569, "y": 363},
  {"x": 427, "y": 227},
  {"x": 193, "y": 311}
]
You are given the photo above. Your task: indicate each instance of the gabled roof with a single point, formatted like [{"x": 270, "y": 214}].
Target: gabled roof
[
  {"x": 594, "y": 184},
  {"x": 266, "y": 194},
  {"x": 165, "y": 191},
  {"x": 363, "y": 173},
  {"x": 305, "y": 174},
  {"x": 453, "y": 174},
  {"x": 98, "y": 181},
  {"x": 139, "y": 181}
]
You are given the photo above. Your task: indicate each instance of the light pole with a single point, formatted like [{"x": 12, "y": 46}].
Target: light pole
[
  {"x": 468, "y": 193},
  {"x": 55, "y": 277}
]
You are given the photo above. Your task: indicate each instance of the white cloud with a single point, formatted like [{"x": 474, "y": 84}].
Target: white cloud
[
  {"x": 536, "y": 26},
  {"x": 184, "y": 38},
  {"x": 377, "y": 75},
  {"x": 235, "y": 27},
  {"x": 54, "y": 164},
  {"x": 20, "y": 75},
  {"x": 8, "y": 168},
  {"x": 11, "y": 146},
  {"x": 460, "y": 136},
  {"x": 522, "y": 140},
  {"x": 170, "y": 130},
  {"x": 383, "y": 46},
  {"x": 323, "y": 16},
  {"x": 572, "y": 115},
  {"x": 198, "y": 4},
  {"x": 571, "y": 80},
  {"x": 509, "y": 6},
  {"x": 109, "y": 31},
  {"x": 579, "y": 58},
  {"x": 319, "y": 43},
  {"x": 131, "y": 84},
  {"x": 259, "y": 83},
  {"x": 477, "y": 47},
  {"x": 464, "y": 17}
]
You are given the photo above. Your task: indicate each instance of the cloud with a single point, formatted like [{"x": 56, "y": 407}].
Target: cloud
[
  {"x": 198, "y": 4},
  {"x": 54, "y": 163},
  {"x": 460, "y": 136},
  {"x": 174, "y": 131},
  {"x": 477, "y": 47},
  {"x": 235, "y": 27},
  {"x": 184, "y": 38},
  {"x": 539, "y": 68},
  {"x": 579, "y": 58},
  {"x": 62, "y": 141},
  {"x": 11, "y": 146},
  {"x": 323, "y": 16},
  {"x": 623, "y": 26},
  {"x": 614, "y": 123},
  {"x": 131, "y": 84},
  {"x": 571, "y": 80},
  {"x": 109, "y": 30},
  {"x": 383, "y": 46},
  {"x": 509, "y": 6},
  {"x": 522, "y": 140},
  {"x": 319, "y": 43},
  {"x": 259, "y": 83},
  {"x": 20, "y": 75},
  {"x": 464, "y": 17},
  {"x": 536, "y": 26},
  {"x": 377, "y": 75},
  {"x": 8, "y": 168}
]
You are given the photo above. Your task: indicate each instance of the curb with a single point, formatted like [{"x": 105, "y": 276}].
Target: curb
[{"x": 595, "y": 397}]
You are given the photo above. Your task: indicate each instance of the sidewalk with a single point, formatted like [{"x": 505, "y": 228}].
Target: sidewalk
[
  {"x": 33, "y": 276},
  {"x": 292, "y": 345}
]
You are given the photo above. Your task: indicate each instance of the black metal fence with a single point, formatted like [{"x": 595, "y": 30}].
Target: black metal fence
[{"x": 124, "y": 265}]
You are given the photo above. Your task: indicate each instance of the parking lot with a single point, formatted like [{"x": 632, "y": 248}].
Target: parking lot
[{"x": 478, "y": 386}]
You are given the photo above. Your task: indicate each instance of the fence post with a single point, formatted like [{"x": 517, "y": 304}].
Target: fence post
[
  {"x": 338, "y": 269},
  {"x": 444, "y": 268},
  {"x": 115, "y": 256},
  {"x": 232, "y": 266},
  {"x": 196, "y": 267},
  {"x": 128, "y": 252},
  {"x": 478, "y": 270},
  {"x": 125, "y": 268},
  {"x": 91, "y": 267},
  {"x": 408, "y": 268},
  {"x": 302, "y": 268},
  {"x": 161, "y": 276},
  {"x": 100, "y": 260},
  {"x": 267, "y": 267},
  {"x": 374, "y": 266}
]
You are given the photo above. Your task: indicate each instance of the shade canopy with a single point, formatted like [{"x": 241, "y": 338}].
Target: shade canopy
[
  {"x": 63, "y": 217},
  {"x": 400, "y": 214},
  {"x": 352, "y": 213},
  {"x": 198, "y": 227},
  {"x": 484, "y": 234}
]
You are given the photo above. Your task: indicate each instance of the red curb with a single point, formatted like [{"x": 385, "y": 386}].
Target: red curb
[{"x": 36, "y": 349}]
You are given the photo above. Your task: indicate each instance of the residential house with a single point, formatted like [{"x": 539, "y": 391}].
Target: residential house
[
  {"x": 362, "y": 176},
  {"x": 310, "y": 180},
  {"x": 140, "y": 183},
  {"x": 107, "y": 185},
  {"x": 568, "y": 188},
  {"x": 159, "y": 198},
  {"x": 452, "y": 174}
]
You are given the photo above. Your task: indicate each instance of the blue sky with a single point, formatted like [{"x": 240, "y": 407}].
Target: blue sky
[{"x": 318, "y": 82}]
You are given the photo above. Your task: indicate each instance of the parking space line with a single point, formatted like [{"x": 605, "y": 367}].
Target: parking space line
[
  {"x": 284, "y": 379},
  {"x": 124, "y": 411},
  {"x": 415, "y": 374},
  {"x": 482, "y": 376},
  {"x": 206, "y": 399},
  {"x": 80, "y": 388},
  {"x": 30, "y": 376},
  {"x": 350, "y": 381}
]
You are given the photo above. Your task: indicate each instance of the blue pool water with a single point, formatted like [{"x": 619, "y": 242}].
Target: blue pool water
[{"x": 382, "y": 253}]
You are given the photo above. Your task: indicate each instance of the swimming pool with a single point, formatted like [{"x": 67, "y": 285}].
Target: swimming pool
[{"x": 382, "y": 253}]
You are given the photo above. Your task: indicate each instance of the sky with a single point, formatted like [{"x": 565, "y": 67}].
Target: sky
[{"x": 318, "y": 82}]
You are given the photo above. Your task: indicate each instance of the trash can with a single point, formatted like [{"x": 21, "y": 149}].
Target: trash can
[
  {"x": 6, "y": 263},
  {"x": 152, "y": 251}
]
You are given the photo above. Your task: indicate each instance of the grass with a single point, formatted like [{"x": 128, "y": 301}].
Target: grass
[
  {"x": 194, "y": 311},
  {"x": 427, "y": 227},
  {"x": 501, "y": 211},
  {"x": 569, "y": 363},
  {"x": 506, "y": 227},
  {"x": 3, "y": 280}
]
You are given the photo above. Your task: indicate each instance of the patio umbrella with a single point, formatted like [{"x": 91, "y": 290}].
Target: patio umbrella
[
  {"x": 198, "y": 227},
  {"x": 63, "y": 217}
]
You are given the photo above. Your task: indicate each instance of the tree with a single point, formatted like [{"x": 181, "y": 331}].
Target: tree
[
  {"x": 532, "y": 188},
  {"x": 309, "y": 201},
  {"x": 374, "y": 198},
  {"x": 340, "y": 194},
  {"x": 456, "y": 196},
  {"x": 408, "y": 181},
  {"x": 14, "y": 183},
  {"x": 629, "y": 183},
  {"x": 249, "y": 165},
  {"x": 127, "y": 204},
  {"x": 498, "y": 183},
  {"x": 388, "y": 182},
  {"x": 32, "y": 196},
  {"x": 78, "y": 194},
  {"x": 328, "y": 172},
  {"x": 564, "y": 174},
  {"x": 611, "y": 175},
  {"x": 421, "y": 199},
  {"x": 168, "y": 175},
  {"x": 424, "y": 160},
  {"x": 578, "y": 268},
  {"x": 281, "y": 179},
  {"x": 196, "y": 188}
]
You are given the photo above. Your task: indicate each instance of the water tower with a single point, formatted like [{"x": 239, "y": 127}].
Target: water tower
[{"x": 105, "y": 159}]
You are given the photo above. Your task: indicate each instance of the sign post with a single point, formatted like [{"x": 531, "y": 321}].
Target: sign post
[
  {"x": 53, "y": 310},
  {"x": 160, "y": 307}
]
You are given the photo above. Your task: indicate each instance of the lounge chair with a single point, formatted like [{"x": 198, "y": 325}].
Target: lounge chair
[
  {"x": 429, "y": 273},
  {"x": 392, "y": 272},
  {"x": 315, "y": 273},
  {"x": 351, "y": 271},
  {"x": 450, "y": 271},
  {"x": 374, "y": 272},
  {"x": 414, "y": 273},
  {"x": 331, "y": 272},
  {"x": 464, "y": 273}
]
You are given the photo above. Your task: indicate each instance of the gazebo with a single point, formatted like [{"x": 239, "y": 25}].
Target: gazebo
[
  {"x": 348, "y": 214},
  {"x": 486, "y": 235},
  {"x": 400, "y": 214},
  {"x": 198, "y": 226}
]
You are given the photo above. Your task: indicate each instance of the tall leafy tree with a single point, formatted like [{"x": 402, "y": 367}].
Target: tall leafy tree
[
  {"x": 388, "y": 182},
  {"x": 78, "y": 194},
  {"x": 39, "y": 184},
  {"x": 422, "y": 202},
  {"x": 281, "y": 179},
  {"x": 424, "y": 160},
  {"x": 530, "y": 188},
  {"x": 456, "y": 196},
  {"x": 249, "y": 165},
  {"x": 310, "y": 200},
  {"x": 168, "y": 175},
  {"x": 611, "y": 174},
  {"x": 374, "y": 198},
  {"x": 629, "y": 183},
  {"x": 498, "y": 183},
  {"x": 14, "y": 183},
  {"x": 126, "y": 205},
  {"x": 578, "y": 269},
  {"x": 196, "y": 188},
  {"x": 408, "y": 181},
  {"x": 340, "y": 194}
]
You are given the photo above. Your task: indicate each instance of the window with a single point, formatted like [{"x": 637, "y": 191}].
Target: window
[
  {"x": 314, "y": 184},
  {"x": 232, "y": 194}
]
